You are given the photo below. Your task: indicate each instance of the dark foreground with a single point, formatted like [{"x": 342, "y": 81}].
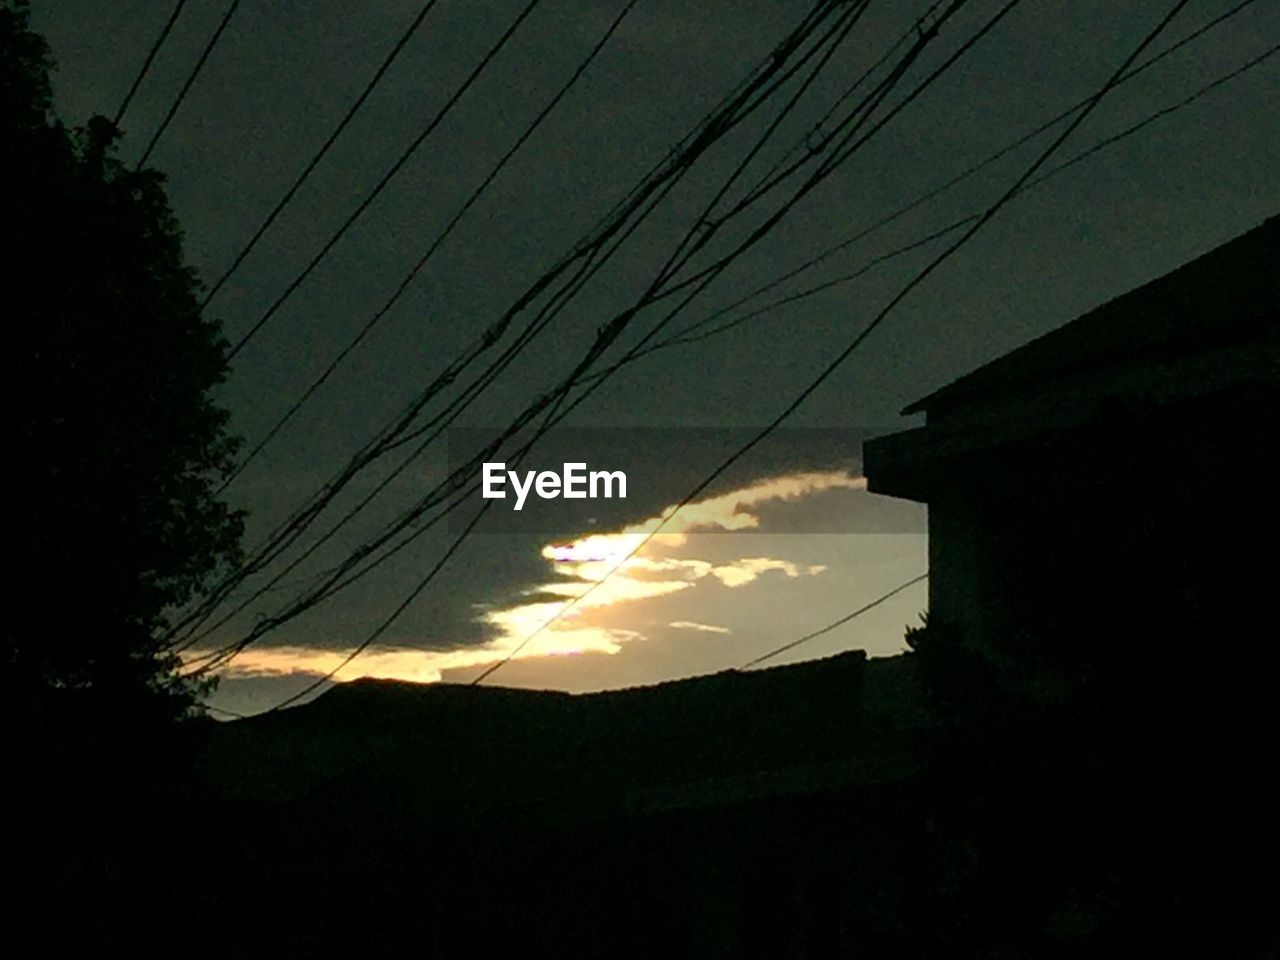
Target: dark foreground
[{"x": 842, "y": 808}]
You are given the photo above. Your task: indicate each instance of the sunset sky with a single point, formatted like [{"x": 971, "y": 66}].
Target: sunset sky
[
  {"x": 721, "y": 584},
  {"x": 791, "y": 540}
]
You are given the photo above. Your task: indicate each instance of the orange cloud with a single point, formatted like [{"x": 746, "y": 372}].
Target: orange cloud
[
  {"x": 619, "y": 567},
  {"x": 599, "y": 562}
]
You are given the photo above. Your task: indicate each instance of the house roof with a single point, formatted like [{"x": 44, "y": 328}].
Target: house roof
[{"x": 1204, "y": 301}]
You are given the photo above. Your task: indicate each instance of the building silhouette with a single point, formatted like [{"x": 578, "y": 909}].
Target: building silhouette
[{"x": 1135, "y": 444}]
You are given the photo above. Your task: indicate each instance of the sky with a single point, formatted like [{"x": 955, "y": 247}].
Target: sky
[{"x": 788, "y": 540}]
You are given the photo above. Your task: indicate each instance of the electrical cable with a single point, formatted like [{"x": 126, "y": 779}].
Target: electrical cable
[{"x": 146, "y": 64}]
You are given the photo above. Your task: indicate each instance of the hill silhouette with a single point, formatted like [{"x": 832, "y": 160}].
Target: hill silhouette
[
  {"x": 469, "y": 752},
  {"x": 718, "y": 813}
]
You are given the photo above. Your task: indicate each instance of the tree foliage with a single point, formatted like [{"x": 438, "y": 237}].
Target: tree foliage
[
  {"x": 116, "y": 444},
  {"x": 116, "y": 449}
]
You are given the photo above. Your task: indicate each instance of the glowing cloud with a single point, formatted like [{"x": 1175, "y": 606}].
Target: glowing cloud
[
  {"x": 599, "y": 562},
  {"x": 700, "y": 627},
  {"x": 749, "y": 568},
  {"x": 613, "y": 568}
]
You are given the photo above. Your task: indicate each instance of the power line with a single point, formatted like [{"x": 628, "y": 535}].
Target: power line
[
  {"x": 494, "y": 332},
  {"x": 861, "y": 337},
  {"x": 825, "y": 374},
  {"x": 146, "y": 64},
  {"x": 854, "y": 121},
  {"x": 386, "y": 177},
  {"x": 824, "y": 171},
  {"x": 669, "y": 169},
  {"x": 722, "y": 119},
  {"x": 698, "y": 238},
  {"x": 392, "y": 617},
  {"x": 391, "y": 56},
  {"x": 930, "y": 238},
  {"x": 1024, "y": 182},
  {"x": 191, "y": 79},
  {"x": 588, "y": 269},
  {"x": 611, "y": 332},
  {"x": 964, "y": 174},
  {"x": 803, "y": 145},
  {"x": 371, "y": 451},
  {"x": 1078, "y": 119},
  {"x": 614, "y": 328},
  {"x": 696, "y": 332},
  {"x": 691, "y": 334},
  {"x": 776, "y": 651},
  {"x": 224, "y": 711},
  {"x": 988, "y": 24},
  {"x": 844, "y": 149},
  {"x": 847, "y": 145},
  {"x": 526, "y": 417},
  {"x": 835, "y": 623},
  {"x": 435, "y": 245}
]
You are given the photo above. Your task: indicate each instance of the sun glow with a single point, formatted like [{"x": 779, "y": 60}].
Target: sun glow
[
  {"x": 606, "y": 570},
  {"x": 603, "y": 575}
]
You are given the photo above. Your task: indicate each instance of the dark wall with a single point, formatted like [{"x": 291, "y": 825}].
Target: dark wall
[{"x": 1163, "y": 505}]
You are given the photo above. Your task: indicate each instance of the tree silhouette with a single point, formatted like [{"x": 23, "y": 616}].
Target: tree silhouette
[
  {"x": 115, "y": 441},
  {"x": 116, "y": 447}
]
